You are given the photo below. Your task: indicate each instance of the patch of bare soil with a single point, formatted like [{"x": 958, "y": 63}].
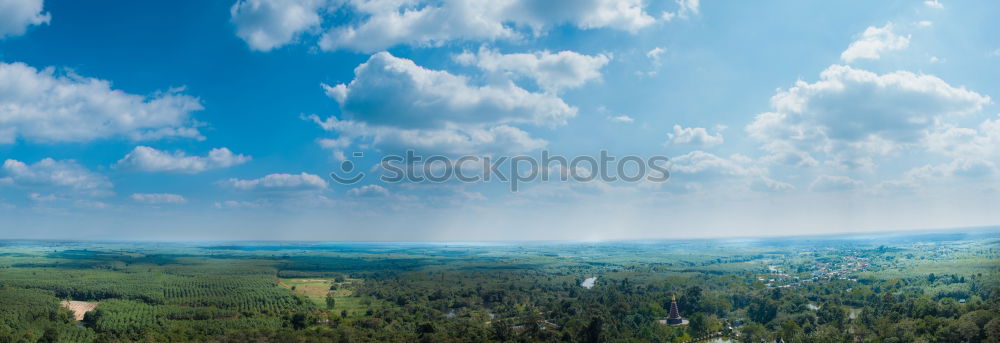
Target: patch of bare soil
[{"x": 79, "y": 308}]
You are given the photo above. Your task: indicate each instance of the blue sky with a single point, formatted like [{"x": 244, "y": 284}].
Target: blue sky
[{"x": 221, "y": 120}]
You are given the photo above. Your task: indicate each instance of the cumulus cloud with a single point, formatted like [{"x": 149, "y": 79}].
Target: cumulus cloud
[
  {"x": 279, "y": 182},
  {"x": 655, "y": 57},
  {"x": 655, "y": 54},
  {"x": 400, "y": 104},
  {"x": 391, "y": 90},
  {"x": 268, "y": 24},
  {"x": 685, "y": 8},
  {"x": 38, "y": 197},
  {"x": 378, "y": 25},
  {"x": 368, "y": 191},
  {"x": 389, "y": 23},
  {"x": 158, "y": 198},
  {"x": 17, "y": 15},
  {"x": 874, "y": 42},
  {"x": 144, "y": 158},
  {"x": 698, "y": 136},
  {"x": 851, "y": 115},
  {"x": 41, "y": 105},
  {"x": 789, "y": 155},
  {"x": 951, "y": 172},
  {"x": 695, "y": 169},
  {"x": 704, "y": 163},
  {"x": 550, "y": 71},
  {"x": 449, "y": 140},
  {"x": 60, "y": 174},
  {"x": 235, "y": 204},
  {"x": 614, "y": 117},
  {"x": 91, "y": 204},
  {"x": 832, "y": 183},
  {"x": 967, "y": 143},
  {"x": 969, "y": 168},
  {"x": 934, "y": 4}
]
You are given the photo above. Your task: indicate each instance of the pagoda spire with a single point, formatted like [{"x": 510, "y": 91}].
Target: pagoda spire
[{"x": 675, "y": 315}]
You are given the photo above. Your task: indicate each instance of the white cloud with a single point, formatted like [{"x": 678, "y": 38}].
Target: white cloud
[
  {"x": 144, "y": 158},
  {"x": 698, "y": 136},
  {"x": 158, "y": 198},
  {"x": 381, "y": 24},
  {"x": 17, "y": 15},
  {"x": 932, "y": 174},
  {"x": 65, "y": 174},
  {"x": 234, "y": 204},
  {"x": 700, "y": 162},
  {"x": 698, "y": 169},
  {"x": 40, "y": 105},
  {"x": 655, "y": 57},
  {"x": 268, "y": 24},
  {"x": 971, "y": 168},
  {"x": 967, "y": 143},
  {"x": 279, "y": 182},
  {"x": 550, "y": 71},
  {"x": 655, "y": 54},
  {"x": 684, "y": 9},
  {"x": 400, "y": 104},
  {"x": 37, "y": 197},
  {"x": 786, "y": 155},
  {"x": 404, "y": 23},
  {"x": 337, "y": 143},
  {"x": 91, "y": 204},
  {"x": 627, "y": 15},
  {"x": 450, "y": 140},
  {"x": 874, "y": 42},
  {"x": 832, "y": 183},
  {"x": 621, "y": 119},
  {"x": 925, "y": 23},
  {"x": 368, "y": 191},
  {"x": 767, "y": 184},
  {"x": 934, "y": 4},
  {"x": 852, "y": 115},
  {"x": 388, "y": 90},
  {"x": 614, "y": 117},
  {"x": 389, "y": 23}
]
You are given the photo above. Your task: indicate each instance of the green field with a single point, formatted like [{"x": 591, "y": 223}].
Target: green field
[{"x": 896, "y": 288}]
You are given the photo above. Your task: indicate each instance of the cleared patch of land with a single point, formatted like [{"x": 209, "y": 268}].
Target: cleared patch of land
[
  {"x": 313, "y": 289},
  {"x": 79, "y": 308},
  {"x": 317, "y": 290}
]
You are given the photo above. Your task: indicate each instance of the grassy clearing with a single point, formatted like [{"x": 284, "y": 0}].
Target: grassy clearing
[{"x": 317, "y": 289}]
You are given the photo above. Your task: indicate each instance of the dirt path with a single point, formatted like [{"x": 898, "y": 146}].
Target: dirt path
[{"x": 79, "y": 308}]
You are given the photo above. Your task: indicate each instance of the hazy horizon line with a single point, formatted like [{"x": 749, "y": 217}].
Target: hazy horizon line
[{"x": 820, "y": 236}]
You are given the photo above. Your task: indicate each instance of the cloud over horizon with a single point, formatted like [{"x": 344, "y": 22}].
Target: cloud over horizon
[
  {"x": 61, "y": 175},
  {"x": 144, "y": 158},
  {"x": 853, "y": 115},
  {"x": 46, "y": 106},
  {"x": 397, "y": 103}
]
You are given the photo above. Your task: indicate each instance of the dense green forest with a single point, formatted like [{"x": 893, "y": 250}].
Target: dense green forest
[{"x": 901, "y": 288}]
